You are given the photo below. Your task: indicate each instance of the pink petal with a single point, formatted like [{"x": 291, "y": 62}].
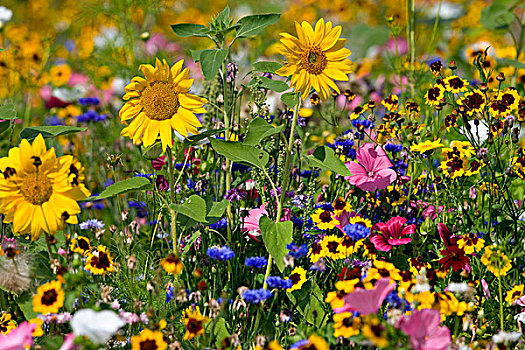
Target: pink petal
[
  {"x": 380, "y": 243},
  {"x": 399, "y": 241}
]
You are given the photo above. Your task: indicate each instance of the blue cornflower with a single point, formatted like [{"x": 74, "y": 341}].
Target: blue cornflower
[
  {"x": 297, "y": 252},
  {"x": 391, "y": 147},
  {"x": 169, "y": 294},
  {"x": 220, "y": 253},
  {"x": 255, "y": 296},
  {"x": 54, "y": 121},
  {"x": 357, "y": 231},
  {"x": 92, "y": 224},
  {"x": 86, "y": 101},
  {"x": 257, "y": 262},
  {"x": 221, "y": 224},
  {"x": 278, "y": 282},
  {"x": 300, "y": 344},
  {"x": 91, "y": 116}
]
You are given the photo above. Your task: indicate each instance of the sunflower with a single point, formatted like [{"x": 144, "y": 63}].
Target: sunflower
[
  {"x": 160, "y": 103},
  {"x": 38, "y": 191},
  {"x": 148, "y": 339},
  {"x": 49, "y": 298},
  {"x": 99, "y": 262},
  {"x": 315, "y": 58},
  {"x": 7, "y": 324},
  {"x": 80, "y": 245},
  {"x": 298, "y": 277},
  {"x": 172, "y": 264},
  {"x": 194, "y": 322}
]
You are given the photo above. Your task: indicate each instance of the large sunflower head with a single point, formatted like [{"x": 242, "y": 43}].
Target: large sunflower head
[
  {"x": 160, "y": 103},
  {"x": 316, "y": 57},
  {"x": 38, "y": 191}
]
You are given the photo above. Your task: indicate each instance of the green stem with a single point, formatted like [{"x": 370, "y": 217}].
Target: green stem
[
  {"x": 173, "y": 214},
  {"x": 500, "y": 303}
]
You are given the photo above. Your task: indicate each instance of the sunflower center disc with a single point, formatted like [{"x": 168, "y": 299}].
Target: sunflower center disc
[
  {"x": 160, "y": 101},
  {"x": 36, "y": 188}
]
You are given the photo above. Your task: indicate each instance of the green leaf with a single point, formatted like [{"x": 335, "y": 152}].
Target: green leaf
[
  {"x": 211, "y": 61},
  {"x": 290, "y": 99},
  {"x": 276, "y": 235},
  {"x": 266, "y": 66},
  {"x": 274, "y": 85},
  {"x": 254, "y": 24},
  {"x": 131, "y": 184},
  {"x": 241, "y": 153},
  {"x": 258, "y": 130},
  {"x": 194, "y": 208},
  {"x": 215, "y": 210},
  {"x": 496, "y": 16},
  {"x": 25, "y": 303},
  {"x": 224, "y": 17},
  {"x": 8, "y": 111},
  {"x": 309, "y": 299},
  {"x": 325, "y": 158},
  {"x": 196, "y": 55},
  {"x": 190, "y": 29},
  {"x": 512, "y": 63},
  {"x": 189, "y": 243},
  {"x": 4, "y": 125},
  {"x": 49, "y": 131},
  {"x": 194, "y": 139},
  {"x": 220, "y": 331}
]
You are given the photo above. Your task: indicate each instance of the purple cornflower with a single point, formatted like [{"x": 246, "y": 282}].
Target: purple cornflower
[{"x": 235, "y": 194}]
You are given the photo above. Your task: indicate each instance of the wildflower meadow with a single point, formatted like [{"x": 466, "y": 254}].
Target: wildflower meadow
[{"x": 289, "y": 174}]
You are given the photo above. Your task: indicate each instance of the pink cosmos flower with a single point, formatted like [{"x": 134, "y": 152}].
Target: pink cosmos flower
[
  {"x": 251, "y": 222},
  {"x": 373, "y": 170},
  {"x": 20, "y": 338},
  {"x": 392, "y": 233},
  {"x": 367, "y": 301},
  {"x": 423, "y": 328},
  {"x": 69, "y": 342}
]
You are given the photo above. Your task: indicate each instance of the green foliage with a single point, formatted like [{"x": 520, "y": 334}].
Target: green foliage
[
  {"x": 211, "y": 60},
  {"x": 8, "y": 111},
  {"x": 253, "y": 25},
  {"x": 274, "y": 85},
  {"x": 290, "y": 99},
  {"x": 325, "y": 158},
  {"x": 32, "y": 132},
  {"x": 496, "y": 16},
  {"x": 241, "y": 153},
  {"x": 190, "y": 29},
  {"x": 131, "y": 184},
  {"x": 266, "y": 66},
  {"x": 258, "y": 130},
  {"x": 276, "y": 235},
  {"x": 201, "y": 210}
]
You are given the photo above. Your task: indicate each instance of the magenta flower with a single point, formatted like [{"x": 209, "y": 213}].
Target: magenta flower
[
  {"x": 251, "y": 222},
  {"x": 367, "y": 301},
  {"x": 423, "y": 328},
  {"x": 20, "y": 338},
  {"x": 373, "y": 170},
  {"x": 391, "y": 233}
]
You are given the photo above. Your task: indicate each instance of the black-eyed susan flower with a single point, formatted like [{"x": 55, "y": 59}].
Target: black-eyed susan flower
[
  {"x": 38, "y": 322},
  {"x": 99, "y": 261},
  {"x": 332, "y": 247},
  {"x": 59, "y": 75},
  {"x": 38, "y": 191},
  {"x": 348, "y": 246},
  {"x": 346, "y": 325},
  {"x": 391, "y": 103},
  {"x": 434, "y": 95},
  {"x": 313, "y": 342},
  {"x": 194, "y": 322},
  {"x": 315, "y": 252},
  {"x": 7, "y": 324},
  {"x": 324, "y": 219},
  {"x": 374, "y": 331},
  {"x": 148, "y": 339},
  {"x": 316, "y": 57},
  {"x": 356, "y": 113},
  {"x": 436, "y": 67},
  {"x": 298, "y": 277},
  {"x": 455, "y": 84},
  {"x": 49, "y": 298},
  {"x": 496, "y": 261},
  {"x": 172, "y": 264},
  {"x": 426, "y": 147},
  {"x": 514, "y": 294},
  {"x": 80, "y": 245},
  {"x": 341, "y": 205},
  {"x": 474, "y": 102},
  {"x": 160, "y": 103},
  {"x": 518, "y": 164},
  {"x": 471, "y": 243},
  {"x": 335, "y": 299}
]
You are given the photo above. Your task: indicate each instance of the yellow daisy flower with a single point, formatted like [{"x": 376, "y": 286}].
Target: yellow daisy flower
[
  {"x": 314, "y": 343},
  {"x": 6, "y": 323},
  {"x": 38, "y": 191},
  {"x": 374, "y": 331},
  {"x": 324, "y": 219},
  {"x": 59, "y": 75},
  {"x": 80, "y": 245},
  {"x": 316, "y": 57},
  {"x": 194, "y": 322},
  {"x": 455, "y": 84},
  {"x": 332, "y": 247},
  {"x": 346, "y": 325},
  {"x": 496, "y": 261},
  {"x": 514, "y": 294},
  {"x": 427, "y": 146},
  {"x": 99, "y": 262},
  {"x": 159, "y": 104},
  {"x": 341, "y": 205},
  {"x": 49, "y": 298},
  {"x": 298, "y": 277},
  {"x": 172, "y": 264},
  {"x": 148, "y": 339}
]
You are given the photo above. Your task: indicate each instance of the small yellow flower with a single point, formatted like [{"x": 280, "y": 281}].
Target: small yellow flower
[
  {"x": 172, "y": 264},
  {"x": 374, "y": 331},
  {"x": 6, "y": 323},
  {"x": 496, "y": 261},
  {"x": 514, "y": 294},
  {"x": 80, "y": 245},
  {"x": 148, "y": 339},
  {"x": 38, "y": 332},
  {"x": 59, "y": 75},
  {"x": 298, "y": 277},
  {"x": 471, "y": 243},
  {"x": 455, "y": 84},
  {"x": 332, "y": 247},
  {"x": 426, "y": 147},
  {"x": 391, "y": 103},
  {"x": 194, "y": 322},
  {"x": 99, "y": 262},
  {"x": 324, "y": 219},
  {"x": 49, "y": 298}
]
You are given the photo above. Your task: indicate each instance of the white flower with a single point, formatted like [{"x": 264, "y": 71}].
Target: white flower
[
  {"x": 5, "y": 14},
  {"x": 460, "y": 288},
  {"x": 520, "y": 317},
  {"x": 480, "y": 132},
  {"x": 448, "y": 11},
  {"x": 97, "y": 326},
  {"x": 506, "y": 337}
]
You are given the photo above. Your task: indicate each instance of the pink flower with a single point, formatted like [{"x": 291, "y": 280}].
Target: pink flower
[
  {"x": 20, "y": 338},
  {"x": 391, "y": 233},
  {"x": 367, "y": 301},
  {"x": 69, "y": 342},
  {"x": 373, "y": 170},
  {"x": 423, "y": 328},
  {"x": 251, "y": 222}
]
